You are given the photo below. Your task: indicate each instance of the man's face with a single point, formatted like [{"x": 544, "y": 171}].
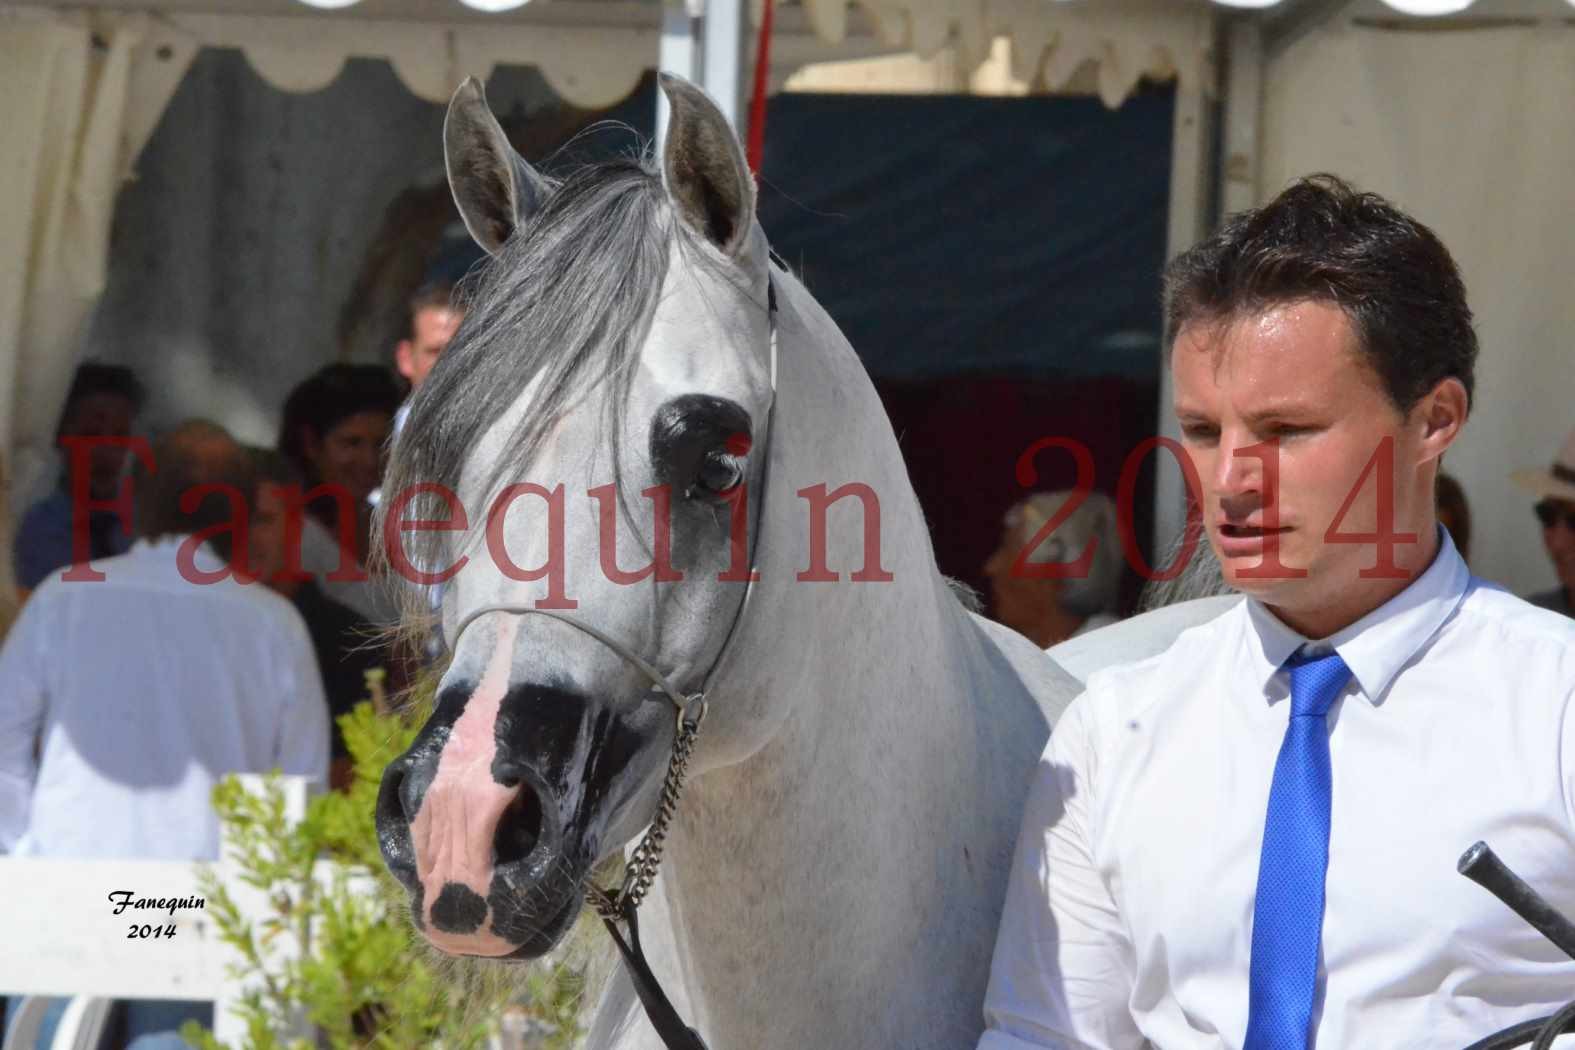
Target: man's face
[
  {"x": 351, "y": 454},
  {"x": 434, "y": 328},
  {"x": 102, "y": 415},
  {"x": 265, "y": 533},
  {"x": 1559, "y": 538},
  {"x": 1293, "y": 374}
]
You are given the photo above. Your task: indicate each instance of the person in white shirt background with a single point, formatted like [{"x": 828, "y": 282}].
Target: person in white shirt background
[
  {"x": 1250, "y": 839},
  {"x": 124, "y": 700}
]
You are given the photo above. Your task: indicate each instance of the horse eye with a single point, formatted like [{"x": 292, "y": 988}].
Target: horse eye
[
  {"x": 700, "y": 445},
  {"x": 720, "y": 473}
]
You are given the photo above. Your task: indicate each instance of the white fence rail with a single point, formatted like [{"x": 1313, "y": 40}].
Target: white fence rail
[{"x": 62, "y": 935}]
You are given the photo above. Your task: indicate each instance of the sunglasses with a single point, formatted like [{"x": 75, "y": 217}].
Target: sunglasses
[{"x": 1551, "y": 513}]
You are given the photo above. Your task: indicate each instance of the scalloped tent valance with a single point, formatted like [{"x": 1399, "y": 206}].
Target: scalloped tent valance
[{"x": 1409, "y": 7}]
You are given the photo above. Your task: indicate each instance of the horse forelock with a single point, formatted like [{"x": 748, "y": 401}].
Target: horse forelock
[{"x": 564, "y": 306}]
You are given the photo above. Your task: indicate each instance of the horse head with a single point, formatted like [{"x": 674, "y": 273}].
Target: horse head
[{"x": 584, "y": 447}]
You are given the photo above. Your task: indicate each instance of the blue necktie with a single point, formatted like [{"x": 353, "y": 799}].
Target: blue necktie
[{"x": 1287, "y": 916}]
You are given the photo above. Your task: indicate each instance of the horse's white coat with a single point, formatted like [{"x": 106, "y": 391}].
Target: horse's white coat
[
  {"x": 841, "y": 885},
  {"x": 835, "y": 873}
]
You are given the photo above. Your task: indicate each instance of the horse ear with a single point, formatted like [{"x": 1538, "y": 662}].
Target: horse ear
[
  {"x": 495, "y": 189},
  {"x": 704, "y": 169}
]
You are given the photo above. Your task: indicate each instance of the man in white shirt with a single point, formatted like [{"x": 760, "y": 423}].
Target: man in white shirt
[
  {"x": 123, "y": 701},
  {"x": 1250, "y": 839}
]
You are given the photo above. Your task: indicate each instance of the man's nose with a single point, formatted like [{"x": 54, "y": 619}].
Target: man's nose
[{"x": 1239, "y": 467}]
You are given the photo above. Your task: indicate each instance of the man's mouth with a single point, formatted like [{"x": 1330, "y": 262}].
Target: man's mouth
[{"x": 1250, "y": 532}]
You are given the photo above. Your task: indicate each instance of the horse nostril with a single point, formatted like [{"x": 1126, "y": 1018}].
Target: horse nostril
[
  {"x": 393, "y": 795},
  {"x": 519, "y": 829}
]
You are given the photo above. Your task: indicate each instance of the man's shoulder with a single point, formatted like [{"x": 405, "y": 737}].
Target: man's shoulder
[
  {"x": 1173, "y": 650},
  {"x": 1555, "y": 600},
  {"x": 249, "y": 606},
  {"x": 1140, "y": 644},
  {"x": 257, "y": 601},
  {"x": 1488, "y": 607}
]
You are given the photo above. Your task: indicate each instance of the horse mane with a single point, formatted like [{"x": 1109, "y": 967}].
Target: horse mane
[
  {"x": 582, "y": 277},
  {"x": 1200, "y": 578}
]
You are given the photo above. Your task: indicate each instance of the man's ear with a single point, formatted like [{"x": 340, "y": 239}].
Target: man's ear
[
  {"x": 1442, "y": 414},
  {"x": 402, "y": 360}
]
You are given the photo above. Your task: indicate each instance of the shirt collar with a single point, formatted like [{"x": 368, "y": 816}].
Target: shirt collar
[
  {"x": 165, "y": 550},
  {"x": 1378, "y": 645}
]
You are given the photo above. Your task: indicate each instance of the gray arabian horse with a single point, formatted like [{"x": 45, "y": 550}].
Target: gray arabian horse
[{"x": 836, "y": 865}]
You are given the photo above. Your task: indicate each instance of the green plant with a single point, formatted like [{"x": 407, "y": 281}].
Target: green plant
[{"x": 364, "y": 981}]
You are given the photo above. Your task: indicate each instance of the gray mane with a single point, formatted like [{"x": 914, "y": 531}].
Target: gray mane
[
  {"x": 581, "y": 278},
  {"x": 1201, "y": 578}
]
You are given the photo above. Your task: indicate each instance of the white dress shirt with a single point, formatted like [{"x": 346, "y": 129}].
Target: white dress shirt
[
  {"x": 143, "y": 690},
  {"x": 1128, "y": 917}
]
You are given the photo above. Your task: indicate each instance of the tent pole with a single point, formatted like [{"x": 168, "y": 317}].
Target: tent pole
[
  {"x": 1191, "y": 193},
  {"x": 1243, "y": 115},
  {"x": 722, "y": 58},
  {"x": 679, "y": 53}
]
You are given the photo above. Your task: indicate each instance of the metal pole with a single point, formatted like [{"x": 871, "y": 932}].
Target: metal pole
[
  {"x": 679, "y": 53},
  {"x": 722, "y": 60}
]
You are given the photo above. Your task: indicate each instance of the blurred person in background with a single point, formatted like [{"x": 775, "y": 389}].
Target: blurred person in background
[
  {"x": 434, "y": 318},
  {"x": 1555, "y": 510},
  {"x": 103, "y": 402},
  {"x": 124, "y": 700},
  {"x": 345, "y": 643},
  {"x": 1051, "y": 610},
  {"x": 335, "y": 432},
  {"x": 8, "y": 598},
  {"x": 1454, "y": 514}
]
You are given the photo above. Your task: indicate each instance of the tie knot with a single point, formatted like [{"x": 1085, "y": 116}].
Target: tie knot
[{"x": 1315, "y": 681}]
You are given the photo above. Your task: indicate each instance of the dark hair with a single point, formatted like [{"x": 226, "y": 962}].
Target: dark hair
[
  {"x": 434, "y": 295},
  {"x": 582, "y": 280},
  {"x": 195, "y": 453},
  {"x": 93, "y": 378},
  {"x": 272, "y": 467},
  {"x": 327, "y": 398},
  {"x": 1322, "y": 240}
]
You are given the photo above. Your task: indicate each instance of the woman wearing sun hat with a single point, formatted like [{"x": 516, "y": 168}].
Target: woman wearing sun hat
[{"x": 1555, "y": 509}]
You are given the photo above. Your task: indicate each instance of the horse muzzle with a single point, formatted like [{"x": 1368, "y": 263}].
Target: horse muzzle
[{"x": 494, "y": 817}]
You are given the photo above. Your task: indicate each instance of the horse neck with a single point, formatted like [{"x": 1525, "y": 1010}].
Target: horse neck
[{"x": 866, "y": 668}]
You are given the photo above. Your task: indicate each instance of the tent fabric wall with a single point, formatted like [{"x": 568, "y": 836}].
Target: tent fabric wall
[
  {"x": 1471, "y": 132},
  {"x": 82, "y": 95}
]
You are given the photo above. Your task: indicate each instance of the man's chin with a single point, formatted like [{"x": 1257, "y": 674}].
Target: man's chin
[{"x": 1250, "y": 576}]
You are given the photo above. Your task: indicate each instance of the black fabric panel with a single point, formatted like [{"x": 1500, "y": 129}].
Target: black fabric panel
[{"x": 949, "y": 234}]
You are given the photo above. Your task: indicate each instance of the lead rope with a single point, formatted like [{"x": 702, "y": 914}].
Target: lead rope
[
  {"x": 622, "y": 905},
  {"x": 637, "y": 879},
  {"x": 647, "y": 856}
]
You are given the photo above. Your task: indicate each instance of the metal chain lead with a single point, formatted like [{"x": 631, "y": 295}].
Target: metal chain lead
[{"x": 647, "y": 856}]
